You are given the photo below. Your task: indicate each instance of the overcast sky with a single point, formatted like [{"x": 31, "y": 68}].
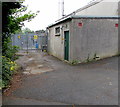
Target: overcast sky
[{"x": 50, "y": 11}]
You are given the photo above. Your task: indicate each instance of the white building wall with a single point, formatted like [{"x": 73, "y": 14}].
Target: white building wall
[{"x": 56, "y": 43}]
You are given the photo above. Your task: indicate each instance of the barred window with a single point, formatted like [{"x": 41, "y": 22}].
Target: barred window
[{"x": 57, "y": 31}]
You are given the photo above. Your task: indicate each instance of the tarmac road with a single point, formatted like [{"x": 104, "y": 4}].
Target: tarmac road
[{"x": 94, "y": 83}]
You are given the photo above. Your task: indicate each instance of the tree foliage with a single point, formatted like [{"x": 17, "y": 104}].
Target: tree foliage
[{"x": 12, "y": 21}]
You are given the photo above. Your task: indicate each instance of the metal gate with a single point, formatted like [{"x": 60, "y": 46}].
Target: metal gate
[{"x": 30, "y": 40}]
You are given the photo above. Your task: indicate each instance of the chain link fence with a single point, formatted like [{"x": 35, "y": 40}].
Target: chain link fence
[{"x": 30, "y": 41}]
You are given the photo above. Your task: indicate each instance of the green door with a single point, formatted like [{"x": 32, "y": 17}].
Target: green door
[{"x": 66, "y": 45}]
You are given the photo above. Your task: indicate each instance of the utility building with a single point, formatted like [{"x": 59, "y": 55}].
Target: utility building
[{"x": 87, "y": 33}]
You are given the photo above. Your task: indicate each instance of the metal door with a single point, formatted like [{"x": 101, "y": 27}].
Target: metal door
[{"x": 66, "y": 45}]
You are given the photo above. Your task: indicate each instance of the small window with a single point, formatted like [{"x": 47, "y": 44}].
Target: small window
[{"x": 57, "y": 31}]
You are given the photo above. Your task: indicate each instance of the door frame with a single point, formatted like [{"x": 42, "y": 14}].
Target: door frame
[{"x": 68, "y": 46}]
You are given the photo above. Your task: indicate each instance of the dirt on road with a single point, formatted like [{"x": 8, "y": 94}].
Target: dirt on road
[
  {"x": 46, "y": 80},
  {"x": 29, "y": 64}
]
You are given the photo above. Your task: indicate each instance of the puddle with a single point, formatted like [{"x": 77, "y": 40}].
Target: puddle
[
  {"x": 30, "y": 59},
  {"x": 39, "y": 66},
  {"x": 27, "y": 73},
  {"x": 38, "y": 71}
]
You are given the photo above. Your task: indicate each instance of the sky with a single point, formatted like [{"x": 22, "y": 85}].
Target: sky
[{"x": 50, "y": 11}]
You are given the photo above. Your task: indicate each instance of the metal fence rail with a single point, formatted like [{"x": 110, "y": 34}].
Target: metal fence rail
[{"x": 30, "y": 40}]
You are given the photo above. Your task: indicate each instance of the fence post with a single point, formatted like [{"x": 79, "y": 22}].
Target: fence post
[{"x": 27, "y": 41}]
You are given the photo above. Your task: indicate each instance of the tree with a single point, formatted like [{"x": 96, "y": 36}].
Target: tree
[
  {"x": 27, "y": 30},
  {"x": 12, "y": 20}
]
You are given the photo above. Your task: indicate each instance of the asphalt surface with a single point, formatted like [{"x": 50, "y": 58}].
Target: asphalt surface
[{"x": 94, "y": 83}]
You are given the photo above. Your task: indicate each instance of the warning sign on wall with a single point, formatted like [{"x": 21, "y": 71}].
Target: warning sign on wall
[
  {"x": 35, "y": 37},
  {"x": 19, "y": 37}
]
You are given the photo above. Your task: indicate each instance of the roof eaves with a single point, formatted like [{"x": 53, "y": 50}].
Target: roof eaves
[
  {"x": 95, "y": 17},
  {"x": 58, "y": 22}
]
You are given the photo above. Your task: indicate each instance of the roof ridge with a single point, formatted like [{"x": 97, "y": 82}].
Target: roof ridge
[{"x": 80, "y": 9}]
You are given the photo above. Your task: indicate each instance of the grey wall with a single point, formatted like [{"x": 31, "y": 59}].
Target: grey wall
[
  {"x": 96, "y": 36},
  {"x": 119, "y": 27}
]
